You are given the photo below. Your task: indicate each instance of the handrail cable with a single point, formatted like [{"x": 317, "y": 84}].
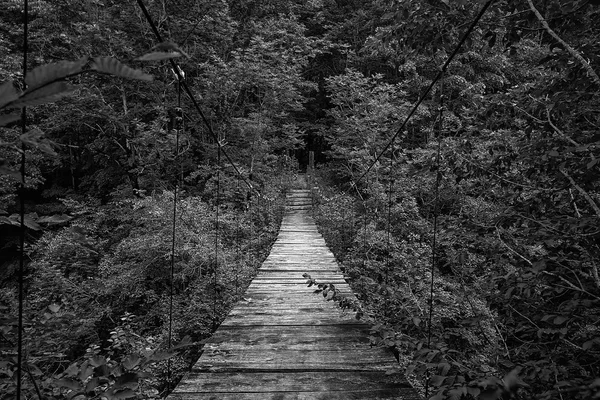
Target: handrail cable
[
  {"x": 435, "y": 221},
  {"x": 189, "y": 93},
  {"x": 22, "y": 210},
  {"x": 433, "y": 82}
]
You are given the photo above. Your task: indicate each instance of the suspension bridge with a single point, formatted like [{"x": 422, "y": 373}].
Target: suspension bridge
[{"x": 282, "y": 341}]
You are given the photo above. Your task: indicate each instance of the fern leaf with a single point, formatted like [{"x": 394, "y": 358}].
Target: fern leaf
[
  {"x": 35, "y": 138},
  {"x": 43, "y": 95},
  {"x": 109, "y": 65},
  {"x": 48, "y": 73},
  {"x": 8, "y": 93},
  {"x": 7, "y": 119},
  {"x": 158, "y": 55}
]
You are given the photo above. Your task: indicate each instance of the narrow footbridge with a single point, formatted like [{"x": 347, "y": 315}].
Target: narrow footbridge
[{"x": 282, "y": 341}]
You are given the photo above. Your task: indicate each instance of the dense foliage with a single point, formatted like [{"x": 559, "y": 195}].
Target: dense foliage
[
  {"x": 503, "y": 154},
  {"x": 515, "y": 190}
]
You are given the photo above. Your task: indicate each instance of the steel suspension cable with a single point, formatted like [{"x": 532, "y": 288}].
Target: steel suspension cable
[
  {"x": 216, "y": 265},
  {"x": 174, "y": 227},
  {"x": 364, "y": 206},
  {"x": 237, "y": 241},
  {"x": 21, "y": 274},
  {"x": 433, "y": 82},
  {"x": 389, "y": 214},
  {"x": 438, "y": 179},
  {"x": 191, "y": 96},
  {"x": 252, "y": 210}
]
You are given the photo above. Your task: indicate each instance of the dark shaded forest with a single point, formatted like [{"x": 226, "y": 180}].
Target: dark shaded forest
[{"x": 469, "y": 231}]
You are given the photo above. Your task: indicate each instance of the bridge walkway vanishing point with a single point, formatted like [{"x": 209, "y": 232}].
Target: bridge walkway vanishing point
[{"x": 282, "y": 341}]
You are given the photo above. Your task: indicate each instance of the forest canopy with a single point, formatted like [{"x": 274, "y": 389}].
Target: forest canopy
[{"x": 144, "y": 215}]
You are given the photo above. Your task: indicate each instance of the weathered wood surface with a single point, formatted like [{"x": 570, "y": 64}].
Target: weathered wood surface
[{"x": 282, "y": 341}]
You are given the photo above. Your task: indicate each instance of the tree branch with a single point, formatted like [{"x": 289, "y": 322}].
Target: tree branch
[
  {"x": 561, "y": 133},
  {"x": 511, "y": 249},
  {"x": 585, "y": 194},
  {"x": 570, "y": 285},
  {"x": 567, "y": 47}
]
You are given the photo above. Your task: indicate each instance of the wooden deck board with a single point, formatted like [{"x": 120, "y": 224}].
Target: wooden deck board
[{"x": 283, "y": 341}]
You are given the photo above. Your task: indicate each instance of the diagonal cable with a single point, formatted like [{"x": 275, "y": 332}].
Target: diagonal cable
[
  {"x": 437, "y": 77},
  {"x": 187, "y": 90}
]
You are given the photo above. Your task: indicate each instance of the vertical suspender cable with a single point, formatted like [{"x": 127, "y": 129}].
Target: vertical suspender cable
[
  {"x": 252, "y": 231},
  {"x": 216, "y": 266},
  {"x": 173, "y": 232},
  {"x": 388, "y": 229},
  {"x": 237, "y": 242},
  {"x": 189, "y": 93},
  {"x": 433, "y": 82},
  {"x": 22, "y": 210},
  {"x": 389, "y": 214},
  {"x": 435, "y": 220},
  {"x": 365, "y": 223}
]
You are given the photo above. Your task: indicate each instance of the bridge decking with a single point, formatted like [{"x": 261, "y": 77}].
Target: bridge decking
[{"x": 284, "y": 342}]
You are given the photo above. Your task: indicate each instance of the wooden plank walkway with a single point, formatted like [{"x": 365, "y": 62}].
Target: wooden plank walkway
[{"x": 282, "y": 341}]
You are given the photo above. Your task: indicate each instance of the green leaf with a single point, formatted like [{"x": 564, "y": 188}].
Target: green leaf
[
  {"x": 437, "y": 380},
  {"x": 131, "y": 361},
  {"x": 124, "y": 394},
  {"x": 185, "y": 342},
  {"x": 561, "y": 319},
  {"x": 127, "y": 381},
  {"x": 109, "y": 65},
  {"x": 587, "y": 345},
  {"x": 97, "y": 361},
  {"x": 511, "y": 381},
  {"x": 86, "y": 371},
  {"x": 8, "y": 118},
  {"x": 8, "y": 93},
  {"x": 34, "y": 370},
  {"x": 54, "y": 307},
  {"x": 55, "y": 219},
  {"x": 92, "y": 384},
  {"x": 457, "y": 393},
  {"x": 157, "y": 56},
  {"x": 439, "y": 396},
  {"x": 160, "y": 356},
  {"x": 443, "y": 368},
  {"x": 31, "y": 224},
  {"x": 72, "y": 370},
  {"x": 473, "y": 391},
  {"x": 68, "y": 383},
  {"x": 43, "y": 95},
  {"x": 35, "y": 138},
  {"x": 47, "y": 73}
]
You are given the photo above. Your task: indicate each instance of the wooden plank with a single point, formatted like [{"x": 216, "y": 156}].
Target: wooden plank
[
  {"x": 378, "y": 394},
  {"x": 291, "y": 337},
  {"x": 263, "y": 320},
  {"x": 293, "y": 382},
  {"x": 279, "y": 314},
  {"x": 375, "y": 359},
  {"x": 283, "y": 341}
]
